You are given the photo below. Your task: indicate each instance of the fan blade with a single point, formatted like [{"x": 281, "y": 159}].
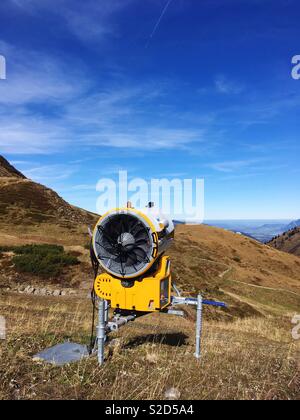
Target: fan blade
[
  {"x": 132, "y": 223},
  {"x": 123, "y": 272},
  {"x": 120, "y": 226},
  {"x": 144, "y": 241},
  {"x": 133, "y": 261},
  {"x": 140, "y": 252},
  {"x": 137, "y": 229},
  {"x": 106, "y": 235},
  {"x": 112, "y": 251},
  {"x": 141, "y": 234},
  {"x": 114, "y": 230}
]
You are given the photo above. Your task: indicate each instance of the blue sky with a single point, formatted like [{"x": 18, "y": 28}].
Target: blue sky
[{"x": 159, "y": 88}]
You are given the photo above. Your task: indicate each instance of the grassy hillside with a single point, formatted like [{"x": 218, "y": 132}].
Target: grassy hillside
[
  {"x": 32, "y": 212},
  {"x": 7, "y": 170},
  {"x": 254, "y": 278},
  {"x": 26, "y": 203},
  {"x": 288, "y": 242}
]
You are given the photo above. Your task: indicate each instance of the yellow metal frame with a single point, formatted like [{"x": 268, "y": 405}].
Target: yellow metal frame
[
  {"x": 124, "y": 209},
  {"x": 149, "y": 294}
]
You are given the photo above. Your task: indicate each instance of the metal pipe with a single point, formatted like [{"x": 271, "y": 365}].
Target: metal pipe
[
  {"x": 106, "y": 311},
  {"x": 176, "y": 289},
  {"x": 199, "y": 327},
  {"x": 118, "y": 322},
  {"x": 101, "y": 331}
]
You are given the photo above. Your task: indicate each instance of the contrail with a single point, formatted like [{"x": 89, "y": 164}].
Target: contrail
[{"x": 160, "y": 18}]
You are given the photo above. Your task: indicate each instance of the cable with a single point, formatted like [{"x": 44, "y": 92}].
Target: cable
[{"x": 95, "y": 265}]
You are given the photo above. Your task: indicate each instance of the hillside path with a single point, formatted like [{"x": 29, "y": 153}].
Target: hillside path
[{"x": 266, "y": 288}]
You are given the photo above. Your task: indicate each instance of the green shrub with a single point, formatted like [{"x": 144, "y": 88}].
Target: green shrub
[
  {"x": 43, "y": 249},
  {"x": 5, "y": 248},
  {"x": 42, "y": 260}
]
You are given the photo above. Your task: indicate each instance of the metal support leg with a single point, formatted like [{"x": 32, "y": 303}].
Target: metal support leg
[
  {"x": 101, "y": 330},
  {"x": 199, "y": 327},
  {"x": 106, "y": 310}
]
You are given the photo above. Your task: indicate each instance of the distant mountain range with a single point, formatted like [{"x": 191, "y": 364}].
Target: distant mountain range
[
  {"x": 261, "y": 230},
  {"x": 294, "y": 224}
]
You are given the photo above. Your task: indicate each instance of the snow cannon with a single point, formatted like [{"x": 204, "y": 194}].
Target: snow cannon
[{"x": 130, "y": 245}]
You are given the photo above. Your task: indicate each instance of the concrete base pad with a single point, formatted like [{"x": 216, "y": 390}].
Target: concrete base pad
[{"x": 62, "y": 354}]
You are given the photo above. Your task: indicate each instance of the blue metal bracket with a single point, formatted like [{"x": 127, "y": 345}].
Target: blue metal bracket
[
  {"x": 213, "y": 303},
  {"x": 198, "y": 302}
]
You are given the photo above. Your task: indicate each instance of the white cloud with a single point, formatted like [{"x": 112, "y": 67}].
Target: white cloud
[
  {"x": 226, "y": 86},
  {"x": 28, "y": 135},
  {"x": 90, "y": 21},
  {"x": 37, "y": 77},
  {"x": 234, "y": 165},
  {"x": 83, "y": 187},
  {"x": 108, "y": 118},
  {"x": 49, "y": 172},
  {"x": 146, "y": 138}
]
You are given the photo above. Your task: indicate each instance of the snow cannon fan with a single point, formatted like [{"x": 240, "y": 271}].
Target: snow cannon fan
[{"x": 130, "y": 245}]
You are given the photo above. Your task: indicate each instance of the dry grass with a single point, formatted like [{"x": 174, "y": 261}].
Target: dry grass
[
  {"x": 253, "y": 358},
  {"x": 207, "y": 257},
  {"x": 248, "y": 352},
  {"x": 29, "y": 204}
]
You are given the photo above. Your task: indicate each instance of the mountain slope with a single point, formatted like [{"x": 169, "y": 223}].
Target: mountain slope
[
  {"x": 250, "y": 276},
  {"x": 24, "y": 201},
  {"x": 7, "y": 170},
  {"x": 288, "y": 241},
  {"x": 27, "y": 207}
]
